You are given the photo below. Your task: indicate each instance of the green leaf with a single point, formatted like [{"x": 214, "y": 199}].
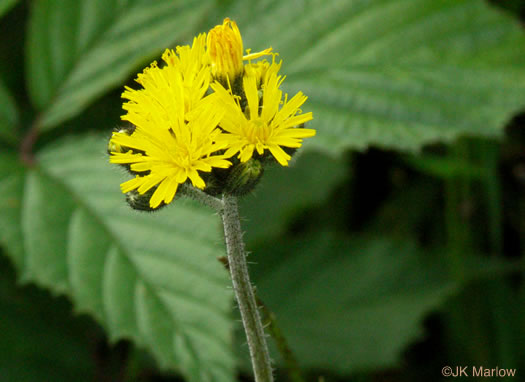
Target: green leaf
[
  {"x": 8, "y": 115},
  {"x": 153, "y": 278},
  {"x": 77, "y": 50},
  {"x": 285, "y": 191},
  {"x": 6, "y": 5},
  {"x": 395, "y": 74},
  {"x": 348, "y": 304}
]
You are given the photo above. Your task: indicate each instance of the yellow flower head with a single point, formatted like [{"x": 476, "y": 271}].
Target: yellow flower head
[
  {"x": 263, "y": 124},
  {"x": 175, "y": 134},
  {"x": 191, "y": 63},
  {"x": 225, "y": 50},
  {"x": 178, "y": 130},
  {"x": 261, "y": 70}
]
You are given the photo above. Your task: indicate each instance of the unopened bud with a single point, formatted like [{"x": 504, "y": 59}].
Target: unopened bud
[
  {"x": 243, "y": 177},
  {"x": 140, "y": 202},
  {"x": 225, "y": 50},
  {"x": 114, "y": 147}
]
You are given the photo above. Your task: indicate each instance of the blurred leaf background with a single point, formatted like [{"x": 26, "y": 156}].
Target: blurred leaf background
[{"x": 393, "y": 245}]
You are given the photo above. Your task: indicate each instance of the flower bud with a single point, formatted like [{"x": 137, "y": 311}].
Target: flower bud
[
  {"x": 114, "y": 147},
  {"x": 243, "y": 177},
  {"x": 140, "y": 202},
  {"x": 225, "y": 50}
]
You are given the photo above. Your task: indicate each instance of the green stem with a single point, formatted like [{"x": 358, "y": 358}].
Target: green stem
[
  {"x": 466, "y": 315},
  {"x": 201, "y": 197},
  {"x": 457, "y": 203},
  {"x": 270, "y": 323},
  {"x": 243, "y": 290},
  {"x": 489, "y": 156}
]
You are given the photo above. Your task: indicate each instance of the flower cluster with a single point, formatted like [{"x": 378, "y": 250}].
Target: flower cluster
[{"x": 210, "y": 116}]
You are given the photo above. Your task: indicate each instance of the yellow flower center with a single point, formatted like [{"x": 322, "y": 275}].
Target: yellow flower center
[
  {"x": 225, "y": 50},
  {"x": 258, "y": 131}
]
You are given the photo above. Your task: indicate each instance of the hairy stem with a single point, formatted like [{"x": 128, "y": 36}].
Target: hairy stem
[
  {"x": 270, "y": 322},
  {"x": 243, "y": 290},
  {"x": 201, "y": 197}
]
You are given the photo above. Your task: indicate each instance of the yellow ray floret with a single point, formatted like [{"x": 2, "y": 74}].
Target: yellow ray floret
[
  {"x": 179, "y": 130},
  {"x": 264, "y": 125},
  {"x": 169, "y": 145},
  {"x": 261, "y": 70},
  {"x": 190, "y": 63}
]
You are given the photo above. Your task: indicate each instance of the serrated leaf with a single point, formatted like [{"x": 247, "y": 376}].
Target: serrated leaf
[
  {"x": 348, "y": 304},
  {"x": 8, "y": 115},
  {"x": 153, "y": 278},
  {"x": 285, "y": 191},
  {"x": 394, "y": 74},
  {"x": 6, "y": 5},
  {"x": 79, "y": 49}
]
